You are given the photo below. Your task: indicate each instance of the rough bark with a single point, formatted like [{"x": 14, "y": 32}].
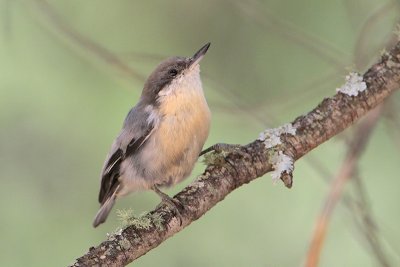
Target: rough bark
[{"x": 227, "y": 172}]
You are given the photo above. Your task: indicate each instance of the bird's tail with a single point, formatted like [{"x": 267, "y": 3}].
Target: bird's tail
[{"x": 105, "y": 209}]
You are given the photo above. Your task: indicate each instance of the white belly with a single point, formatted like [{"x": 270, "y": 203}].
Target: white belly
[
  {"x": 176, "y": 145},
  {"x": 170, "y": 153}
]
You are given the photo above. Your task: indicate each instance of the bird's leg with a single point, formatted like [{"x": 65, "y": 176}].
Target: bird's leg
[
  {"x": 171, "y": 202},
  {"x": 222, "y": 147}
]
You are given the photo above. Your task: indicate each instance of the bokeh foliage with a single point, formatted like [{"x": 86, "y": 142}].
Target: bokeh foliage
[{"x": 62, "y": 103}]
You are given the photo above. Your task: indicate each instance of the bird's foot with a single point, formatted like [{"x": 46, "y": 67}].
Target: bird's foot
[
  {"x": 172, "y": 203},
  {"x": 223, "y": 148}
]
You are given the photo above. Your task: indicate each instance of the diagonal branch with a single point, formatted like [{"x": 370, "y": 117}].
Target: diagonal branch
[
  {"x": 225, "y": 174},
  {"x": 50, "y": 14}
]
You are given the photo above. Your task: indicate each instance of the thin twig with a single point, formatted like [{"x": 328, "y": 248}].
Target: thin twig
[
  {"x": 392, "y": 122},
  {"x": 368, "y": 224},
  {"x": 267, "y": 20},
  {"x": 361, "y": 58},
  {"x": 99, "y": 51},
  {"x": 346, "y": 171}
]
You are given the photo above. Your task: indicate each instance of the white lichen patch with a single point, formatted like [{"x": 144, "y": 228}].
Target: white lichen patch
[
  {"x": 354, "y": 84},
  {"x": 200, "y": 184},
  {"x": 125, "y": 216},
  {"x": 282, "y": 163},
  {"x": 271, "y": 137},
  {"x": 288, "y": 129}
]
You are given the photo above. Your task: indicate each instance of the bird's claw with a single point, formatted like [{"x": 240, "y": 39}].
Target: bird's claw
[{"x": 224, "y": 148}]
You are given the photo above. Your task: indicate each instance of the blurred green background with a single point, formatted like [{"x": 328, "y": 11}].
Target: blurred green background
[{"x": 71, "y": 70}]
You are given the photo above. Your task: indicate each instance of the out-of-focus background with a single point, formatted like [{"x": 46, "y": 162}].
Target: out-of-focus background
[{"x": 71, "y": 70}]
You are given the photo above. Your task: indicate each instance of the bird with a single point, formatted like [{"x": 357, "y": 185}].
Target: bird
[{"x": 162, "y": 135}]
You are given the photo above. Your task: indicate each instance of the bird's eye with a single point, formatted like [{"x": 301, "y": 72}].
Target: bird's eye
[{"x": 173, "y": 72}]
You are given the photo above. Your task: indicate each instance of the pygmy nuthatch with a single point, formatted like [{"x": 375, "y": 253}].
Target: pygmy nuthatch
[{"x": 162, "y": 135}]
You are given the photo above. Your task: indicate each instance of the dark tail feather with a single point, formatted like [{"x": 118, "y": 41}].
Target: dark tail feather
[{"x": 104, "y": 210}]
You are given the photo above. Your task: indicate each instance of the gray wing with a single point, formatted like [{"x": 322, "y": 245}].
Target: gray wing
[{"x": 134, "y": 134}]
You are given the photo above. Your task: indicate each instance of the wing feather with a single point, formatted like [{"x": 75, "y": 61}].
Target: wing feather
[{"x": 111, "y": 169}]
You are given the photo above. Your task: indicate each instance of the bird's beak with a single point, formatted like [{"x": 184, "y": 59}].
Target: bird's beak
[{"x": 199, "y": 55}]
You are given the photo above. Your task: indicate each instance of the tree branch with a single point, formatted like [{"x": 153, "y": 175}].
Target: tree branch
[{"x": 226, "y": 173}]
